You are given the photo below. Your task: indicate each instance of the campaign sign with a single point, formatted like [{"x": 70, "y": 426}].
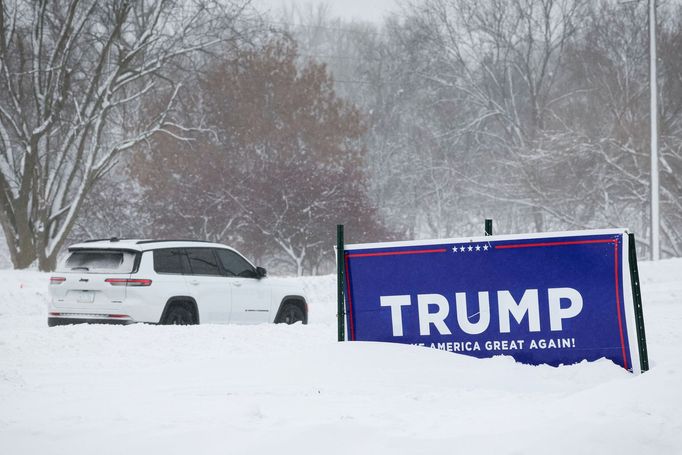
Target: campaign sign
[{"x": 555, "y": 298}]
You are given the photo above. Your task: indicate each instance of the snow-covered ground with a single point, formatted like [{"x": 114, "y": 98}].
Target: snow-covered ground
[{"x": 277, "y": 389}]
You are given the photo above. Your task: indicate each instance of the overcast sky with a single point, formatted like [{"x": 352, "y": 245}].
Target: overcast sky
[{"x": 369, "y": 10}]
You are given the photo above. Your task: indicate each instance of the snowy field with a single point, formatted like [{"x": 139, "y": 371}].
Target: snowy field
[{"x": 277, "y": 390}]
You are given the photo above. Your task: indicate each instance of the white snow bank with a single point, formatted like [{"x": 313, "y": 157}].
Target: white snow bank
[{"x": 277, "y": 389}]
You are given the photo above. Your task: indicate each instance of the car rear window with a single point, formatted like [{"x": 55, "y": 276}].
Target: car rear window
[
  {"x": 99, "y": 261},
  {"x": 168, "y": 261}
]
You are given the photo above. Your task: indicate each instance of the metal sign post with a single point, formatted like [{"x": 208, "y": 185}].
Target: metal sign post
[
  {"x": 637, "y": 297},
  {"x": 488, "y": 226},
  {"x": 340, "y": 313}
]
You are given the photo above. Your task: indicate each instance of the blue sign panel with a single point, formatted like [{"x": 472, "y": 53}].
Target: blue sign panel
[{"x": 545, "y": 299}]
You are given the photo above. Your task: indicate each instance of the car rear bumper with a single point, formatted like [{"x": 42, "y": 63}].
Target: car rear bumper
[{"x": 55, "y": 319}]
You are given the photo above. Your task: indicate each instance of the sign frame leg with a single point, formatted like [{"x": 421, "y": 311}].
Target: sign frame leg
[
  {"x": 340, "y": 310},
  {"x": 637, "y": 298}
]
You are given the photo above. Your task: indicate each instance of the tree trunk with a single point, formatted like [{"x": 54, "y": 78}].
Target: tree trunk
[
  {"x": 20, "y": 244},
  {"x": 299, "y": 266},
  {"x": 47, "y": 263},
  {"x": 538, "y": 218},
  {"x": 22, "y": 259}
]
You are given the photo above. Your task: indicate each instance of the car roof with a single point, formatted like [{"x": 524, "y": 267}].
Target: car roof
[{"x": 144, "y": 244}]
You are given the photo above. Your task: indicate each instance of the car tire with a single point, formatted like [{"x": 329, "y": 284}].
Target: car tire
[
  {"x": 179, "y": 315},
  {"x": 291, "y": 314}
]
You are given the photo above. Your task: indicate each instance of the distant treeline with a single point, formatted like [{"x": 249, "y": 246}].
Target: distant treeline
[{"x": 209, "y": 120}]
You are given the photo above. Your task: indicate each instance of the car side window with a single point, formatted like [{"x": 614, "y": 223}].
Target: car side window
[
  {"x": 235, "y": 265},
  {"x": 168, "y": 261},
  {"x": 202, "y": 261}
]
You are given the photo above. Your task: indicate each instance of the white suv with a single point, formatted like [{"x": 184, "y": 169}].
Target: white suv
[{"x": 167, "y": 282}]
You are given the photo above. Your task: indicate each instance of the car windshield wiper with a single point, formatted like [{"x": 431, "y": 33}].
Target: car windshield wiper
[{"x": 80, "y": 268}]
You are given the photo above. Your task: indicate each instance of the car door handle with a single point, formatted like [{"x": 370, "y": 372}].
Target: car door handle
[
  {"x": 237, "y": 283},
  {"x": 194, "y": 282}
]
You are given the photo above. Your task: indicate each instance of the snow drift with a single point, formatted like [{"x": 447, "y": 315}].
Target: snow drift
[{"x": 294, "y": 389}]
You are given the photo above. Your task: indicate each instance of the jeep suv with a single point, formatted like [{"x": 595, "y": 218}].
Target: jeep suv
[{"x": 167, "y": 282}]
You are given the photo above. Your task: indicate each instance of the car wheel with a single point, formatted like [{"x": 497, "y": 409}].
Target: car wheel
[
  {"x": 291, "y": 314},
  {"x": 179, "y": 315}
]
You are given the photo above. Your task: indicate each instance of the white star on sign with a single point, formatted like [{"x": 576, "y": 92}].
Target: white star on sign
[
  {"x": 461, "y": 249},
  {"x": 454, "y": 249},
  {"x": 478, "y": 248},
  {"x": 485, "y": 247},
  {"x": 470, "y": 248}
]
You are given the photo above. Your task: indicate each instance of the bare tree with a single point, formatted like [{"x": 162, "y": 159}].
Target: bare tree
[
  {"x": 71, "y": 73},
  {"x": 532, "y": 111},
  {"x": 284, "y": 166},
  {"x": 504, "y": 60},
  {"x": 611, "y": 58}
]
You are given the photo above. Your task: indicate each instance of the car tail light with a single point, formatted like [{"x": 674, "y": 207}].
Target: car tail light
[
  {"x": 128, "y": 281},
  {"x": 57, "y": 279}
]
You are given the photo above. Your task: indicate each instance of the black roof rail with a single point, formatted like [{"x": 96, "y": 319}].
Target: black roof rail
[
  {"x": 110, "y": 239},
  {"x": 142, "y": 242}
]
